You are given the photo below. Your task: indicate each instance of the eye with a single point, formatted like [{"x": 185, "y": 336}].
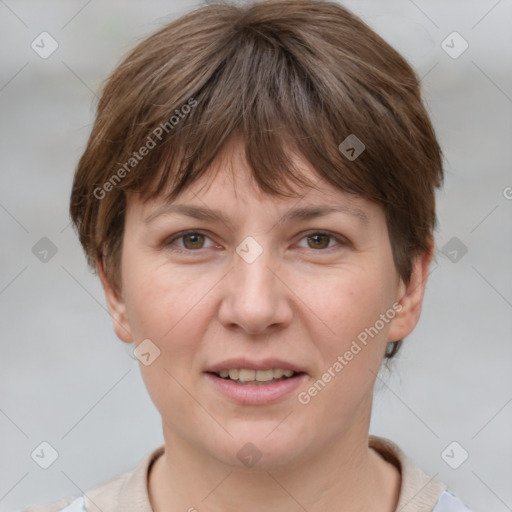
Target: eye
[
  {"x": 319, "y": 240},
  {"x": 192, "y": 241}
]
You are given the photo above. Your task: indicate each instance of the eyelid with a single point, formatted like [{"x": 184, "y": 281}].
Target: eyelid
[
  {"x": 169, "y": 240},
  {"x": 343, "y": 241}
]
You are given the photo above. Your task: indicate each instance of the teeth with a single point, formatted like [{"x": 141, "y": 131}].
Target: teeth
[
  {"x": 246, "y": 375},
  {"x": 264, "y": 375}
]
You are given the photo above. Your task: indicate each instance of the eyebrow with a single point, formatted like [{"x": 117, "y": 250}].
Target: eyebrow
[{"x": 211, "y": 214}]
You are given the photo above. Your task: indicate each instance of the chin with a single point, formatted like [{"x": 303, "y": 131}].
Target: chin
[{"x": 256, "y": 450}]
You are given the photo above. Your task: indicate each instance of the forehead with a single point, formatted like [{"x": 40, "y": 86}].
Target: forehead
[{"x": 229, "y": 185}]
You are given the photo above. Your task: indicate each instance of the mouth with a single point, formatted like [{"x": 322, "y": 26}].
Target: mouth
[
  {"x": 249, "y": 377},
  {"x": 255, "y": 386}
]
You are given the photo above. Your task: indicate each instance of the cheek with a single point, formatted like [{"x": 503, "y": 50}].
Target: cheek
[
  {"x": 168, "y": 306},
  {"x": 348, "y": 306},
  {"x": 156, "y": 295},
  {"x": 348, "y": 302}
]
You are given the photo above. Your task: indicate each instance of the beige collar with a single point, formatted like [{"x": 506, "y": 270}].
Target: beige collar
[{"x": 418, "y": 492}]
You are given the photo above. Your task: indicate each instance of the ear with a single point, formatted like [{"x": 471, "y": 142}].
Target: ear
[
  {"x": 410, "y": 297},
  {"x": 116, "y": 305}
]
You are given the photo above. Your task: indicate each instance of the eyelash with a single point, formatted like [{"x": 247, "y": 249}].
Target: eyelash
[{"x": 169, "y": 242}]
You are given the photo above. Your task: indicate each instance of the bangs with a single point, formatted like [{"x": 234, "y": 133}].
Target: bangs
[
  {"x": 264, "y": 96},
  {"x": 291, "y": 82}
]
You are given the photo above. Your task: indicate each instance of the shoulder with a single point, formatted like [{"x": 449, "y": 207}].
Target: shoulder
[
  {"x": 69, "y": 504},
  {"x": 101, "y": 497},
  {"x": 418, "y": 491},
  {"x": 127, "y": 491},
  {"x": 448, "y": 502}
]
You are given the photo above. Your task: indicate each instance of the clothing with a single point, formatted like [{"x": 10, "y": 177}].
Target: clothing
[{"x": 128, "y": 492}]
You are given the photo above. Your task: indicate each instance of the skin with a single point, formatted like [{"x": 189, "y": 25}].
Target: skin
[{"x": 304, "y": 300}]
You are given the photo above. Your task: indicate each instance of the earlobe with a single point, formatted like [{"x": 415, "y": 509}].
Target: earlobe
[
  {"x": 116, "y": 305},
  {"x": 410, "y": 298}
]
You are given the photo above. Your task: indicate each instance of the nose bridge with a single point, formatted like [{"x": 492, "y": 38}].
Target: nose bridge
[
  {"x": 254, "y": 297},
  {"x": 252, "y": 269}
]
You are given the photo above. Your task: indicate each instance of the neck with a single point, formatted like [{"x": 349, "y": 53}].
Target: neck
[{"x": 346, "y": 476}]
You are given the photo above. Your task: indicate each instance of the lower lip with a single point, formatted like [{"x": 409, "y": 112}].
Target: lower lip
[{"x": 254, "y": 394}]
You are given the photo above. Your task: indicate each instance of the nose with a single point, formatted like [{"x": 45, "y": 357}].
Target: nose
[{"x": 256, "y": 297}]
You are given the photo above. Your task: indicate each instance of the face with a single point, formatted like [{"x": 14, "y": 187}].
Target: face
[{"x": 261, "y": 289}]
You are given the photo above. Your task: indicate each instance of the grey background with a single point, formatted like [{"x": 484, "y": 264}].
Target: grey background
[{"x": 67, "y": 380}]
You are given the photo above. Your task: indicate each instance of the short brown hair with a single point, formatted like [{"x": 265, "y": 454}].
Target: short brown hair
[{"x": 299, "y": 75}]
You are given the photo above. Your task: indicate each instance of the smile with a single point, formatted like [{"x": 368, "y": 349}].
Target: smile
[
  {"x": 247, "y": 376},
  {"x": 251, "y": 387}
]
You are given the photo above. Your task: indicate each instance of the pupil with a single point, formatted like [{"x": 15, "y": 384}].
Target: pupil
[
  {"x": 197, "y": 239},
  {"x": 194, "y": 242},
  {"x": 317, "y": 236}
]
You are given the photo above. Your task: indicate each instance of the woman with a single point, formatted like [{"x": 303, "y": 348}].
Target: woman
[{"x": 258, "y": 198}]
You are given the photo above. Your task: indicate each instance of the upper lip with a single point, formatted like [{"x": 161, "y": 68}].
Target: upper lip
[{"x": 263, "y": 364}]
